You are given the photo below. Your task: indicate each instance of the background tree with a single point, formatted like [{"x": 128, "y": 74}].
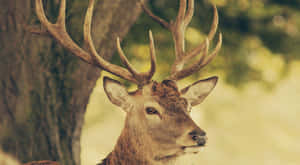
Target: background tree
[{"x": 44, "y": 90}]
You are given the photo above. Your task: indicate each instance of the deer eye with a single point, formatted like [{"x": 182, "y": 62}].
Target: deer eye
[{"x": 151, "y": 111}]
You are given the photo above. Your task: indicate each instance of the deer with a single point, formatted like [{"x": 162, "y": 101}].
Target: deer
[{"x": 158, "y": 127}]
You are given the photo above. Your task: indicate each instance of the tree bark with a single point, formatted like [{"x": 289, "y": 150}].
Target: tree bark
[{"x": 44, "y": 89}]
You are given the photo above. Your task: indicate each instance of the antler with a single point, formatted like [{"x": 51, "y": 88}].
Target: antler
[
  {"x": 59, "y": 32},
  {"x": 177, "y": 29}
]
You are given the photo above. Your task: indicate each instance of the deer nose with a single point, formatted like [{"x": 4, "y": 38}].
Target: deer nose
[{"x": 198, "y": 136}]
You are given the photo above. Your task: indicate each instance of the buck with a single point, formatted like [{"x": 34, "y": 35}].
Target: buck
[{"x": 158, "y": 127}]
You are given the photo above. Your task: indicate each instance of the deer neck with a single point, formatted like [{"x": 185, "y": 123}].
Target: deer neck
[{"x": 133, "y": 147}]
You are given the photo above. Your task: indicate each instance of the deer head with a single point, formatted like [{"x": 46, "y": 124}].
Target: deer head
[
  {"x": 158, "y": 116},
  {"x": 158, "y": 126}
]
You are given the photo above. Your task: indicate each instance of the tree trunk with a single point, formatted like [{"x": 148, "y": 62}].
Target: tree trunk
[{"x": 44, "y": 90}]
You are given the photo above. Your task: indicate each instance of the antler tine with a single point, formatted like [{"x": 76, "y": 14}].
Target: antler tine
[
  {"x": 211, "y": 35},
  {"x": 159, "y": 20},
  {"x": 214, "y": 53},
  {"x": 41, "y": 13},
  {"x": 177, "y": 29},
  {"x": 188, "y": 71},
  {"x": 199, "y": 48},
  {"x": 114, "y": 69},
  {"x": 182, "y": 10},
  {"x": 59, "y": 32},
  {"x": 190, "y": 12},
  {"x": 143, "y": 77},
  {"x": 215, "y": 23},
  {"x": 204, "y": 60},
  {"x": 62, "y": 14},
  {"x": 152, "y": 55},
  {"x": 125, "y": 60}
]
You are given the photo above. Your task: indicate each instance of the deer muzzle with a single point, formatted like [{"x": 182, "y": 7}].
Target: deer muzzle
[{"x": 199, "y": 137}]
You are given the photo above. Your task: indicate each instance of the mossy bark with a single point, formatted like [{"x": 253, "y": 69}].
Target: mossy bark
[{"x": 44, "y": 89}]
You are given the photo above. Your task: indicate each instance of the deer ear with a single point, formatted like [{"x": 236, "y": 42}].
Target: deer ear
[
  {"x": 116, "y": 93},
  {"x": 198, "y": 91}
]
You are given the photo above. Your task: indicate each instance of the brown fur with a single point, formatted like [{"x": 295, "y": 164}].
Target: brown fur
[
  {"x": 129, "y": 149},
  {"x": 169, "y": 96},
  {"x": 135, "y": 144}
]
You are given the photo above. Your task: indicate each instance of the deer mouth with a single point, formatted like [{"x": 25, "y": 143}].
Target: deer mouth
[
  {"x": 193, "y": 149},
  {"x": 184, "y": 150}
]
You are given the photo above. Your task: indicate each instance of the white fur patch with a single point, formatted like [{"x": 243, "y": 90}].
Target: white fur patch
[{"x": 195, "y": 149}]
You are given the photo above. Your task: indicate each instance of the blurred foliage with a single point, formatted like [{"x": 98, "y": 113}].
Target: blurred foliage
[{"x": 261, "y": 38}]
